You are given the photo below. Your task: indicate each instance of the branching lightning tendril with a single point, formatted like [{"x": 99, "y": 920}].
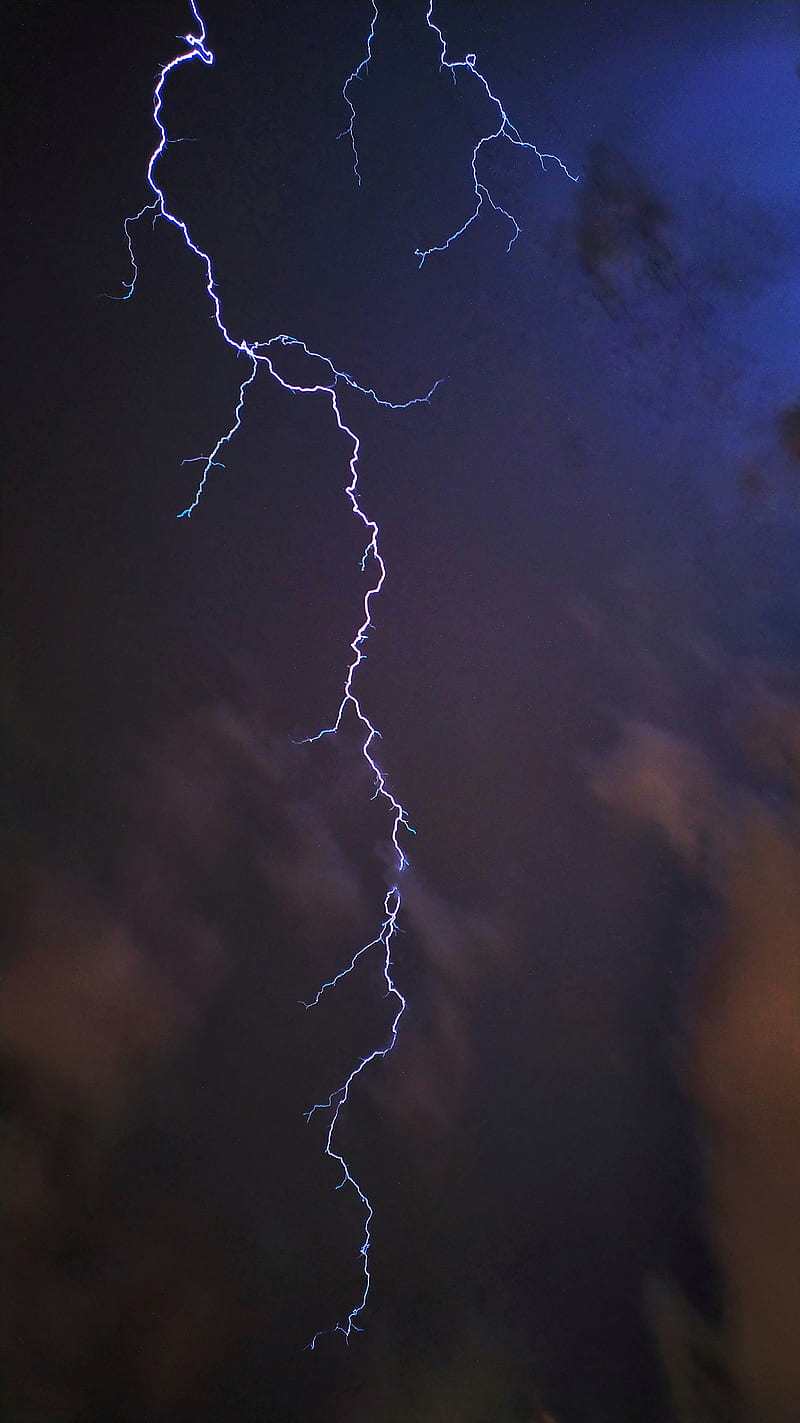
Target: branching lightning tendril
[
  {"x": 504, "y": 130},
  {"x": 261, "y": 353},
  {"x": 360, "y": 69}
]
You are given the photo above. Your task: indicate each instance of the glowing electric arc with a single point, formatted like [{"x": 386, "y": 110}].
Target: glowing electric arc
[
  {"x": 356, "y": 74},
  {"x": 504, "y": 130},
  {"x": 260, "y": 353},
  {"x": 339, "y": 1098}
]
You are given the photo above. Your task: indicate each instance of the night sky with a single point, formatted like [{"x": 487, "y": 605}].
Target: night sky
[{"x": 597, "y": 509}]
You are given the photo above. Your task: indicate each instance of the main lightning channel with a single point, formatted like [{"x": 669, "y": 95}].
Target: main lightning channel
[{"x": 333, "y": 381}]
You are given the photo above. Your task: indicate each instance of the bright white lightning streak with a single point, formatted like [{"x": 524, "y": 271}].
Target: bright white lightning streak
[{"x": 259, "y": 353}]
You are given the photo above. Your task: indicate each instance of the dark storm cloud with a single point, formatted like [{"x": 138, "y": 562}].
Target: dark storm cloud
[
  {"x": 738, "y": 1057},
  {"x": 741, "y": 247},
  {"x": 660, "y": 778},
  {"x": 107, "y": 990},
  {"x": 788, "y": 424},
  {"x": 460, "y": 955},
  {"x": 620, "y": 223},
  {"x": 478, "y": 1371}
]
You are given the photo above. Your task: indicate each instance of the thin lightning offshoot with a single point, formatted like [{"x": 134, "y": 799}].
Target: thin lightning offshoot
[{"x": 504, "y": 129}]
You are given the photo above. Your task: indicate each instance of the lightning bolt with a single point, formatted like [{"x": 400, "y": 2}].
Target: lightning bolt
[
  {"x": 331, "y": 383},
  {"x": 339, "y": 1098},
  {"x": 505, "y": 130},
  {"x": 360, "y": 69},
  {"x": 261, "y": 353}
]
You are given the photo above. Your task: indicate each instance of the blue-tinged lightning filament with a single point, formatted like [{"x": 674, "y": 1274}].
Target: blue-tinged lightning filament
[
  {"x": 338, "y": 1099},
  {"x": 260, "y": 353},
  {"x": 504, "y": 130},
  {"x": 360, "y": 69}
]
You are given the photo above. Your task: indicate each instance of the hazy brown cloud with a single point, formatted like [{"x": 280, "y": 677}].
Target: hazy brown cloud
[{"x": 741, "y": 1058}]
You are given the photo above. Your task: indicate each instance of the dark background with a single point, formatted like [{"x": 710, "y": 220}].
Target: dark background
[{"x": 598, "y": 485}]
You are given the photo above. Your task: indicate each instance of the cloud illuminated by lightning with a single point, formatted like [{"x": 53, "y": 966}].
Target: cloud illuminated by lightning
[
  {"x": 504, "y": 130},
  {"x": 260, "y": 353}
]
